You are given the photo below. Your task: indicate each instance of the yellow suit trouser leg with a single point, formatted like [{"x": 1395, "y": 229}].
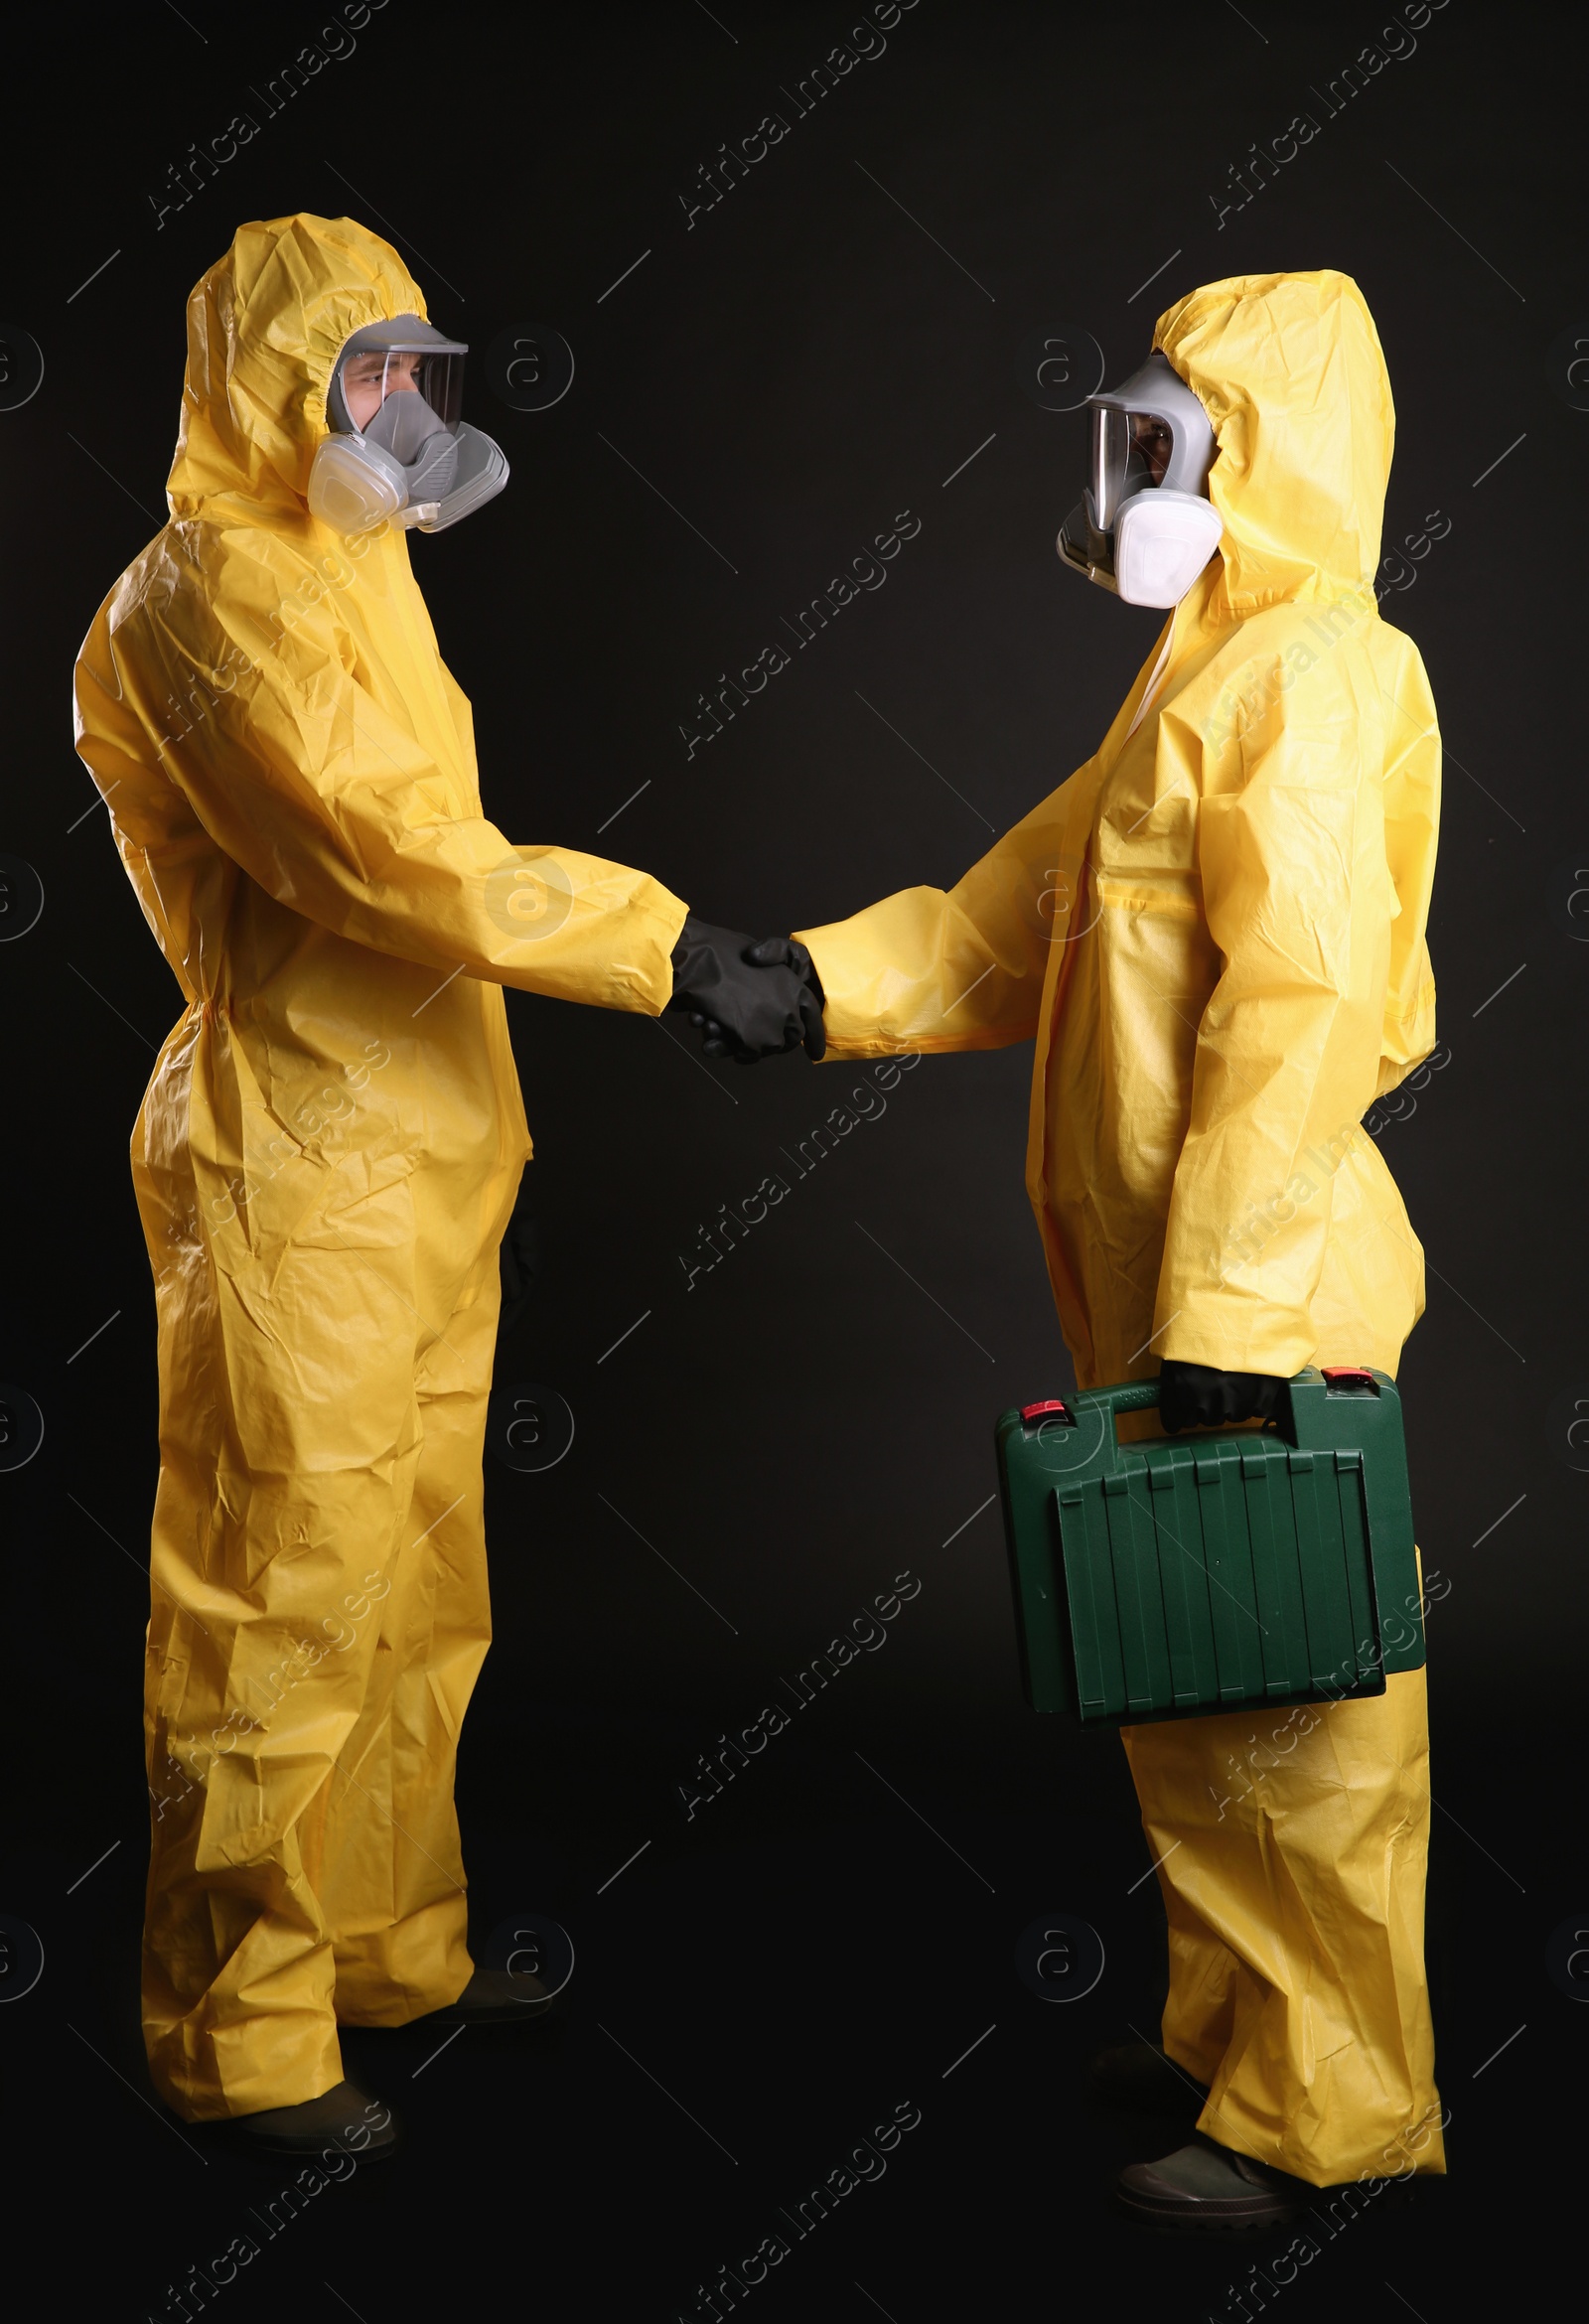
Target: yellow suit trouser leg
[
  {"x": 391, "y": 1878},
  {"x": 318, "y": 1616},
  {"x": 1292, "y": 1850}
]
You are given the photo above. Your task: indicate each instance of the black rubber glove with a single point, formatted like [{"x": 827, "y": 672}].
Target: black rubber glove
[
  {"x": 1195, "y": 1396},
  {"x": 518, "y": 1260},
  {"x": 749, "y": 999}
]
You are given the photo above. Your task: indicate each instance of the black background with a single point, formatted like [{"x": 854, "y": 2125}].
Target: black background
[{"x": 766, "y": 1451}]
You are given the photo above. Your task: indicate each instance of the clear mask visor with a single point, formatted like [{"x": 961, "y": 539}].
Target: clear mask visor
[
  {"x": 371, "y": 378},
  {"x": 1132, "y": 451}
]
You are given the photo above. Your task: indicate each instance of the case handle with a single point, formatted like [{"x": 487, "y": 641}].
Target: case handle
[
  {"x": 1142, "y": 1395},
  {"x": 1132, "y": 1396}
]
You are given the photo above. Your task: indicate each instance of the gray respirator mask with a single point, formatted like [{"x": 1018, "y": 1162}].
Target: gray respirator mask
[
  {"x": 397, "y": 452},
  {"x": 1145, "y": 526}
]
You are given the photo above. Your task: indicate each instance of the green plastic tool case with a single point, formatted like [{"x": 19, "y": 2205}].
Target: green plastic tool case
[{"x": 1221, "y": 1570}]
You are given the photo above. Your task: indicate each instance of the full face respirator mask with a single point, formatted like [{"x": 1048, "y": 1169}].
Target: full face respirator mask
[
  {"x": 1145, "y": 526},
  {"x": 397, "y": 452}
]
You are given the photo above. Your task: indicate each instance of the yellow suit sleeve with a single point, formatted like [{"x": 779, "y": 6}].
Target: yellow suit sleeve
[
  {"x": 331, "y": 802},
  {"x": 1301, "y": 906},
  {"x": 929, "y": 970},
  {"x": 1412, "y": 831}
]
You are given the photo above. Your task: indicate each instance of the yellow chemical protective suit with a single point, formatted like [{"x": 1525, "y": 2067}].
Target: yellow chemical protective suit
[
  {"x": 325, "y": 1161},
  {"x": 1214, "y": 935}
]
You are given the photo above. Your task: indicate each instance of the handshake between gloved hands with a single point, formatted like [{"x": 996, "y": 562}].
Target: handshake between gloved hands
[{"x": 748, "y": 998}]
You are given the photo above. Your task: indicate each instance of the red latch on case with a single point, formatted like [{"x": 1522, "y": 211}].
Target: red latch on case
[
  {"x": 1050, "y": 1408},
  {"x": 1352, "y": 1375}
]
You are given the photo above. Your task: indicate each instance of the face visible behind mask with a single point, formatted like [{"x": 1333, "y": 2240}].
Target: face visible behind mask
[
  {"x": 1145, "y": 526},
  {"x": 412, "y": 462}
]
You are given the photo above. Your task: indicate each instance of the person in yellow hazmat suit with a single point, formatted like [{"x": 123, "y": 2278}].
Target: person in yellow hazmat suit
[
  {"x": 1214, "y": 933},
  {"x": 325, "y": 1161}
]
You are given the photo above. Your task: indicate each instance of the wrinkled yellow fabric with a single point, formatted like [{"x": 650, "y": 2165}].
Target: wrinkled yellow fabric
[
  {"x": 1215, "y": 933},
  {"x": 1292, "y": 1848},
  {"x": 325, "y": 1160}
]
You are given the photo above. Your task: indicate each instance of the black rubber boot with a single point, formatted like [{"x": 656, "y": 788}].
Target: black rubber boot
[
  {"x": 497, "y": 1997},
  {"x": 1140, "y": 2076},
  {"x": 1205, "y": 2188},
  {"x": 344, "y": 2118}
]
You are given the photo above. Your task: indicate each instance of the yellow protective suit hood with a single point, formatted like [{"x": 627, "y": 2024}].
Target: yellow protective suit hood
[
  {"x": 1214, "y": 935},
  {"x": 265, "y": 326},
  {"x": 1290, "y": 371},
  {"x": 325, "y": 1160}
]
